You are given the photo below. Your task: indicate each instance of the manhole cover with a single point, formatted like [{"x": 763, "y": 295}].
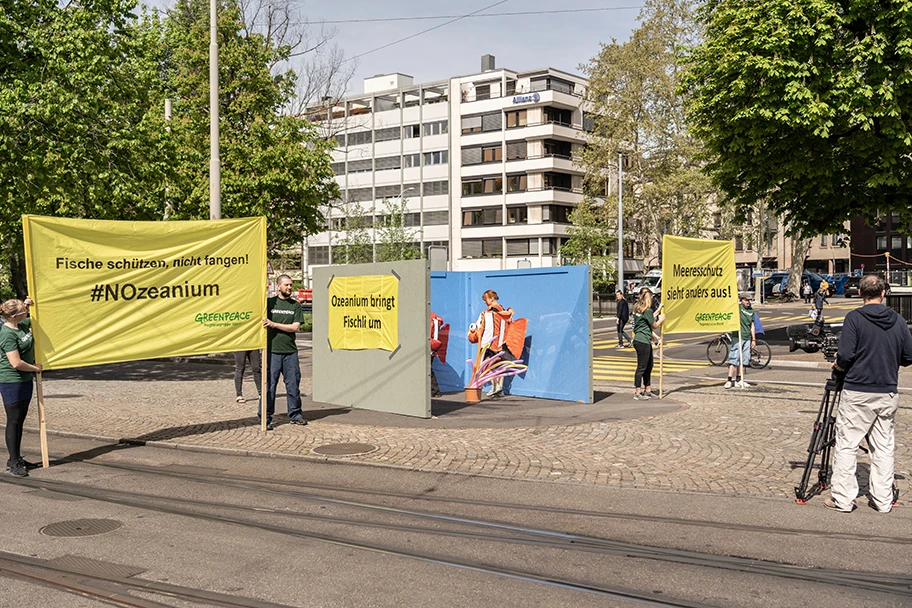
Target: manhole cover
[
  {"x": 344, "y": 449},
  {"x": 55, "y": 495},
  {"x": 81, "y": 527}
]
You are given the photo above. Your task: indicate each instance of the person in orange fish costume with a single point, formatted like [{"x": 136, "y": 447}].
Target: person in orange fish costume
[{"x": 497, "y": 333}]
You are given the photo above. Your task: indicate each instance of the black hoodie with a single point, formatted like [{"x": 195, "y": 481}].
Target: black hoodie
[{"x": 874, "y": 342}]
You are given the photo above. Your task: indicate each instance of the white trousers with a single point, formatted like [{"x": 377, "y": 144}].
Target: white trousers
[{"x": 859, "y": 415}]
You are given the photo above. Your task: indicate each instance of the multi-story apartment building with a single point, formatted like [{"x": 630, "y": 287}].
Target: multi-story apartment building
[{"x": 484, "y": 162}]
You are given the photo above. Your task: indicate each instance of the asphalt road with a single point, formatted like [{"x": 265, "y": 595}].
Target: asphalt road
[{"x": 269, "y": 532}]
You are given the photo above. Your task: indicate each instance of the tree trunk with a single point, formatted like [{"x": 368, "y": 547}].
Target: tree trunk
[
  {"x": 18, "y": 279},
  {"x": 800, "y": 248}
]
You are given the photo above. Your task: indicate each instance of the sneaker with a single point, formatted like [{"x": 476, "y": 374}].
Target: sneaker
[
  {"x": 830, "y": 504},
  {"x": 270, "y": 426},
  {"x": 240, "y": 399},
  {"x": 743, "y": 384},
  {"x": 299, "y": 420},
  {"x": 17, "y": 470},
  {"x": 494, "y": 392},
  {"x": 641, "y": 396},
  {"x": 728, "y": 384}
]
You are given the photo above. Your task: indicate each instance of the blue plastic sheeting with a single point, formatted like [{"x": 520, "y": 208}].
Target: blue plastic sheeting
[{"x": 558, "y": 346}]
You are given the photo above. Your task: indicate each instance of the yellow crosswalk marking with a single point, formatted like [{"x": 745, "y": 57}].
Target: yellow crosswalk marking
[{"x": 620, "y": 368}]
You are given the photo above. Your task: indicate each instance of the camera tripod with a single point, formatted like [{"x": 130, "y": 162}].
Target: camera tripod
[{"x": 823, "y": 438}]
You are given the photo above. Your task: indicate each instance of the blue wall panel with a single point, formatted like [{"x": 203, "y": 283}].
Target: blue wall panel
[{"x": 556, "y": 301}]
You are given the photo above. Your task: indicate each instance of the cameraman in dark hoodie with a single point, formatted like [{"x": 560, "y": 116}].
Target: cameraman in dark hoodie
[{"x": 874, "y": 342}]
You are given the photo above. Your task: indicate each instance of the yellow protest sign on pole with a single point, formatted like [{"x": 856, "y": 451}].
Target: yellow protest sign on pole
[
  {"x": 110, "y": 291},
  {"x": 364, "y": 312},
  {"x": 699, "y": 286}
]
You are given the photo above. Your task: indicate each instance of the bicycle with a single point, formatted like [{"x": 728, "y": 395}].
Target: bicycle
[{"x": 718, "y": 348}]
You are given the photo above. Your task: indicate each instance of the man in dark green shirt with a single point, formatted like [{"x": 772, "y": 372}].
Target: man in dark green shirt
[
  {"x": 739, "y": 355},
  {"x": 283, "y": 318}
]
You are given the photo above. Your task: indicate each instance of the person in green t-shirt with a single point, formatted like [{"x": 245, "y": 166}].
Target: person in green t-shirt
[
  {"x": 283, "y": 318},
  {"x": 645, "y": 322},
  {"x": 742, "y": 344},
  {"x": 17, "y": 368}
]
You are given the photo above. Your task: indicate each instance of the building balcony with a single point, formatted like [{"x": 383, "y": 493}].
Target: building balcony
[
  {"x": 548, "y": 162},
  {"x": 545, "y": 130}
]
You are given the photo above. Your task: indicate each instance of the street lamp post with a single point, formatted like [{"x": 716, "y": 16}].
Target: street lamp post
[
  {"x": 215, "y": 199},
  {"x": 620, "y": 231}
]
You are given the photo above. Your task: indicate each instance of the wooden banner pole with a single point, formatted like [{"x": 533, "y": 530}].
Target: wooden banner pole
[
  {"x": 263, "y": 370},
  {"x": 661, "y": 360},
  {"x": 42, "y": 425}
]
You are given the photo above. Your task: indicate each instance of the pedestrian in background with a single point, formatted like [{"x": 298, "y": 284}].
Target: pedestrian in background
[
  {"x": 623, "y": 315},
  {"x": 875, "y": 341},
  {"x": 820, "y": 298},
  {"x": 283, "y": 318},
  {"x": 17, "y": 368},
  {"x": 645, "y": 322},
  {"x": 739, "y": 355},
  {"x": 807, "y": 291},
  {"x": 241, "y": 358}
]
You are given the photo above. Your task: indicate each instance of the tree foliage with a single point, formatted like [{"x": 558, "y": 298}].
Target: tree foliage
[
  {"x": 394, "y": 240},
  {"x": 805, "y": 104},
  {"x": 355, "y": 246},
  {"x": 271, "y": 164},
  {"x": 592, "y": 233},
  {"x": 633, "y": 93}
]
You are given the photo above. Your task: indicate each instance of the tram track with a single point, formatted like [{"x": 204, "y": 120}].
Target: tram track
[{"x": 486, "y": 531}]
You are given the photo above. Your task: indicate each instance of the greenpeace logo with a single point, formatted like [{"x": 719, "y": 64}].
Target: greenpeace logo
[
  {"x": 208, "y": 318},
  {"x": 712, "y": 318}
]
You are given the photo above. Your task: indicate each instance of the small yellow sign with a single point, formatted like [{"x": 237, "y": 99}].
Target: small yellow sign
[
  {"x": 699, "y": 287},
  {"x": 364, "y": 312}
]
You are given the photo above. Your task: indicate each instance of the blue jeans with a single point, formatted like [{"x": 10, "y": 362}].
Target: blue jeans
[{"x": 288, "y": 366}]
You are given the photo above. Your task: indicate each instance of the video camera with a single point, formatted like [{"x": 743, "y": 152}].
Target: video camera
[{"x": 818, "y": 336}]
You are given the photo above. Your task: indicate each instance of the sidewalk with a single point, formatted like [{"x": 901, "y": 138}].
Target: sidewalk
[{"x": 700, "y": 438}]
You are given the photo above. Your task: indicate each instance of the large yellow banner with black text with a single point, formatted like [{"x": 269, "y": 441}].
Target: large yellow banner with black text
[
  {"x": 110, "y": 291},
  {"x": 699, "y": 286},
  {"x": 364, "y": 312}
]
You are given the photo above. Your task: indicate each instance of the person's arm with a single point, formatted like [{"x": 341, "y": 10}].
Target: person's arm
[
  {"x": 660, "y": 319},
  {"x": 281, "y": 326},
  {"x": 20, "y": 365}
]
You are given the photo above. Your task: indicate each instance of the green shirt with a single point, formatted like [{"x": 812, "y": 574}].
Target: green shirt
[
  {"x": 642, "y": 326},
  {"x": 747, "y": 321},
  {"x": 285, "y": 312},
  {"x": 21, "y": 340}
]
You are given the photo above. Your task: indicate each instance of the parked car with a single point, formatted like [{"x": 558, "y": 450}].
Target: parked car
[
  {"x": 851, "y": 287},
  {"x": 781, "y": 279}
]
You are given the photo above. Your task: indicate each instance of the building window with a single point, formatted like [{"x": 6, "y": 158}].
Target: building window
[
  {"x": 516, "y": 150},
  {"x": 360, "y": 166},
  {"x": 483, "y": 217},
  {"x": 338, "y": 168},
  {"x": 823, "y": 240},
  {"x": 436, "y": 158},
  {"x": 471, "y": 124},
  {"x": 492, "y": 121},
  {"x": 411, "y": 160},
  {"x": 487, "y": 185},
  {"x": 493, "y": 185},
  {"x": 516, "y": 118},
  {"x": 557, "y": 214},
  {"x": 896, "y": 243},
  {"x": 511, "y": 87},
  {"x": 522, "y": 247},
  {"x": 361, "y": 137},
  {"x": 558, "y": 116},
  {"x": 411, "y": 131},
  {"x": 317, "y": 255},
  {"x": 881, "y": 243},
  {"x": 552, "y": 84},
  {"x": 471, "y": 156},
  {"x": 516, "y": 183},
  {"x": 436, "y": 218},
  {"x": 491, "y": 154},
  {"x": 390, "y": 134},
  {"x": 550, "y": 246},
  {"x": 482, "y": 92},
  {"x": 359, "y": 194},
  {"x": 562, "y": 149},
  {"x": 433, "y": 188},
  {"x": 518, "y": 215},
  {"x": 435, "y": 128},
  {"x": 388, "y": 162},
  {"x": 482, "y": 248},
  {"x": 557, "y": 181},
  {"x": 739, "y": 244}
]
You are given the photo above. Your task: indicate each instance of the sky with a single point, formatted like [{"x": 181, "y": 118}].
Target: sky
[{"x": 519, "y": 42}]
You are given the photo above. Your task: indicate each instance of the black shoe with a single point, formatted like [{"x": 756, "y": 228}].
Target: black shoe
[
  {"x": 270, "y": 426},
  {"x": 28, "y": 465},
  {"x": 300, "y": 421},
  {"x": 18, "y": 470}
]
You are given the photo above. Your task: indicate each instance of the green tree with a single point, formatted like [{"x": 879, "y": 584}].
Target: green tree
[
  {"x": 633, "y": 94},
  {"x": 394, "y": 240},
  {"x": 805, "y": 105},
  {"x": 592, "y": 233},
  {"x": 81, "y": 125},
  {"x": 271, "y": 164},
  {"x": 355, "y": 246}
]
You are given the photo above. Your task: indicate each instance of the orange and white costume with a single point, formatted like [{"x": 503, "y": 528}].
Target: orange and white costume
[
  {"x": 496, "y": 329},
  {"x": 440, "y": 335}
]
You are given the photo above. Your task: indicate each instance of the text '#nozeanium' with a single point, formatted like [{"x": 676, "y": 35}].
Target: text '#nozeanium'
[{"x": 128, "y": 292}]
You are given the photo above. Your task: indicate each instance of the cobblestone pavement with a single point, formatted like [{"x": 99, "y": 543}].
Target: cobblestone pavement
[{"x": 750, "y": 442}]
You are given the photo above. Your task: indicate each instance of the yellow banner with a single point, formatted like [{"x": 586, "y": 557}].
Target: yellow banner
[
  {"x": 364, "y": 312},
  {"x": 109, "y": 291},
  {"x": 699, "y": 286}
]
